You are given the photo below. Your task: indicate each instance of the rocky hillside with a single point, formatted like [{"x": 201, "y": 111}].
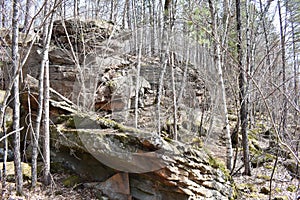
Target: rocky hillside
[
  {"x": 106, "y": 134},
  {"x": 109, "y": 132}
]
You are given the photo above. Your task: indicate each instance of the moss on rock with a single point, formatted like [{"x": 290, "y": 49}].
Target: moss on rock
[
  {"x": 247, "y": 187},
  {"x": 291, "y": 188},
  {"x": 264, "y": 177},
  {"x": 71, "y": 181},
  {"x": 218, "y": 164}
]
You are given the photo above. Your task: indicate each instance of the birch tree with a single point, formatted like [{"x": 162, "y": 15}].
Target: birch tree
[
  {"x": 218, "y": 63},
  {"x": 46, "y": 146},
  {"x": 16, "y": 98},
  {"x": 43, "y": 99}
]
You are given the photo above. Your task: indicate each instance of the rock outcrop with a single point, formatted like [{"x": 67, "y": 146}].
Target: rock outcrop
[
  {"x": 156, "y": 169},
  {"x": 122, "y": 155}
]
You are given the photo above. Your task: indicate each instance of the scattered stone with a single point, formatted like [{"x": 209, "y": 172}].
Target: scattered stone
[
  {"x": 281, "y": 198},
  {"x": 265, "y": 190},
  {"x": 10, "y": 170},
  {"x": 116, "y": 187},
  {"x": 292, "y": 167}
]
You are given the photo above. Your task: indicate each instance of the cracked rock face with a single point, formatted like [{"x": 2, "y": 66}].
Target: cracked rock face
[
  {"x": 182, "y": 180},
  {"x": 184, "y": 173}
]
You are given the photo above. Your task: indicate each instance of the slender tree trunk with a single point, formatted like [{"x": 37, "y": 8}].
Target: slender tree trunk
[
  {"x": 3, "y": 17},
  {"x": 125, "y": 13},
  {"x": 282, "y": 39},
  {"x": 138, "y": 71},
  {"x": 166, "y": 28},
  {"x": 76, "y": 8},
  {"x": 243, "y": 92},
  {"x": 46, "y": 147},
  {"x": 164, "y": 59},
  {"x": 174, "y": 97},
  {"x": 296, "y": 71},
  {"x": 185, "y": 73},
  {"x": 152, "y": 26},
  {"x": 265, "y": 34},
  {"x": 128, "y": 15},
  {"x": 28, "y": 15},
  {"x": 2, "y": 11},
  {"x": 16, "y": 108},
  {"x": 218, "y": 63},
  {"x": 5, "y": 149},
  {"x": 65, "y": 9},
  {"x": 113, "y": 10},
  {"x": 36, "y": 132}
]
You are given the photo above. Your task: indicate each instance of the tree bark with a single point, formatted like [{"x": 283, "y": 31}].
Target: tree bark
[
  {"x": 37, "y": 128},
  {"x": 295, "y": 68},
  {"x": 3, "y": 17},
  {"x": 243, "y": 92},
  {"x": 5, "y": 149},
  {"x": 46, "y": 147},
  {"x": 76, "y": 8},
  {"x": 282, "y": 40},
  {"x": 29, "y": 13},
  {"x": 16, "y": 99}
]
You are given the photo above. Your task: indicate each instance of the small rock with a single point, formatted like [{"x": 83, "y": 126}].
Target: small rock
[
  {"x": 281, "y": 198},
  {"x": 265, "y": 190},
  {"x": 291, "y": 166}
]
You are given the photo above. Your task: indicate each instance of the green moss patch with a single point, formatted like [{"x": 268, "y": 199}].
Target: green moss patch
[
  {"x": 218, "y": 164},
  {"x": 71, "y": 181},
  {"x": 264, "y": 177},
  {"x": 245, "y": 187},
  {"x": 291, "y": 188}
]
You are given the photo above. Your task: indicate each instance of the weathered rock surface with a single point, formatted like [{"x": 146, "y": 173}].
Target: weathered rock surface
[
  {"x": 89, "y": 66},
  {"x": 157, "y": 169}
]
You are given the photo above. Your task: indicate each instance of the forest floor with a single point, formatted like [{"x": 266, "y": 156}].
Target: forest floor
[
  {"x": 257, "y": 186},
  {"x": 56, "y": 191},
  {"x": 254, "y": 187}
]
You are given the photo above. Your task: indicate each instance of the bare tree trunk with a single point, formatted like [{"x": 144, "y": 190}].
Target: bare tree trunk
[
  {"x": 217, "y": 60},
  {"x": 265, "y": 34},
  {"x": 243, "y": 92},
  {"x": 76, "y": 8},
  {"x": 64, "y": 9},
  {"x": 296, "y": 70},
  {"x": 46, "y": 147},
  {"x": 16, "y": 108},
  {"x": 5, "y": 149},
  {"x": 3, "y": 17},
  {"x": 113, "y": 10},
  {"x": 2, "y": 11},
  {"x": 29, "y": 13},
  {"x": 128, "y": 14},
  {"x": 138, "y": 71},
  {"x": 36, "y": 132},
  {"x": 165, "y": 28},
  {"x": 282, "y": 39},
  {"x": 152, "y": 26},
  {"x": 164, "y": 59},
  {"x": 174, "y": 96},
  {"x": 125, "y": 13}
]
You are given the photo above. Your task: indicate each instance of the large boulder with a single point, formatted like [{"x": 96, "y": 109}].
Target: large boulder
[{"x": 157, "y": 169}]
